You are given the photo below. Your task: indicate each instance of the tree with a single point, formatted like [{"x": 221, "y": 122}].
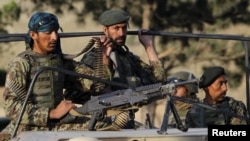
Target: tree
[{"x": 9, "y": 13}]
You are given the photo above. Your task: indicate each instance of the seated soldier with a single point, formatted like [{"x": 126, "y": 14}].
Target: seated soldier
[
  {"x": 184, "y": 91},
  {"x": 214, "y": 83},
  {"x": 119, "y": 62},
  {"x": 54, "y": 94}
]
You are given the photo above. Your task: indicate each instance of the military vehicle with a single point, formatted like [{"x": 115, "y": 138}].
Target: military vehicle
[{"x": 146, "y": 132}]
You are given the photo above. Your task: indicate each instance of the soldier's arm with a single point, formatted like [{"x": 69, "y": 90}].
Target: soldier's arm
[
  {"x": 155, "y": 63},
  {"x": 16, "y": 90},
  {"x": 148, "y": 44},
  {"x": 88, "y": 84},
  {"x": 240, "y": 109},
  {"x": 153, "y": 72},
  {"x": 158, "y": 70}
]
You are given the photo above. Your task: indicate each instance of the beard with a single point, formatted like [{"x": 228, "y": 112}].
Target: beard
[{"x": 119, "y": 41}]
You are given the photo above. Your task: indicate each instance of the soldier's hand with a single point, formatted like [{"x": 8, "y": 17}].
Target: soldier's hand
[
  {"x": 107, "y": 45},
  {"x": 107, "y": 48},
  {"x": 146, "y": 40},
  {"x": 62, "y": 109}
]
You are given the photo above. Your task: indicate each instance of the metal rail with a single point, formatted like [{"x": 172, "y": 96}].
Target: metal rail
[{"x": 21, "y": 37}]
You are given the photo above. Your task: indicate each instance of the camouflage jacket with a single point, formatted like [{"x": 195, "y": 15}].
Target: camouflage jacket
[
  {"x": 130, "y": 66},
  {"x": 182, "y": 109},
  {"x": 49, "y": 89},
  {"x": 202, "y": 117}
]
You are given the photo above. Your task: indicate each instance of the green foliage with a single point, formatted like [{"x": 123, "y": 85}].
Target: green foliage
[
  {"x": 56, "y": 4},
  {"x": 8, "y": 14}
]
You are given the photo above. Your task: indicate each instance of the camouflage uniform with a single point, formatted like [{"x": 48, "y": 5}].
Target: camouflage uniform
[
  {"x": 198, "y": 116},
  {"x": 130, "y": 66},
  {"x": 46, "y": 94},
  {"x": 131, "y": 70},
  {"x": 49, "y": 90},
  {"x": 182, "y": 109},
  {"x": 202, "y": 117}
]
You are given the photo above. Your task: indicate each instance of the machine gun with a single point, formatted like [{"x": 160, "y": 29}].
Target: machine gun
[{"x": 97, "y": 106}]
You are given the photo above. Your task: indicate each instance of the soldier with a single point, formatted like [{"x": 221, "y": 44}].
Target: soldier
[
  {"x": 184, "y": 91},
  {"x": 47, "y": 105},
  {"x": 214, "y": 83},
  {"x": 122, "y": 65}
]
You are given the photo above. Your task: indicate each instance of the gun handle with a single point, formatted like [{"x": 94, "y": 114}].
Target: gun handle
[{"x": 92, "y": 122}]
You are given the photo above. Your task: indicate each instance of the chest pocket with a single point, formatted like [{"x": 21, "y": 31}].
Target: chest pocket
[{"x": 48, "y": 88}]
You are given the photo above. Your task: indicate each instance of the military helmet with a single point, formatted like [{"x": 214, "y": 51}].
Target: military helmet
[{"x": 184, "y": 76}]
